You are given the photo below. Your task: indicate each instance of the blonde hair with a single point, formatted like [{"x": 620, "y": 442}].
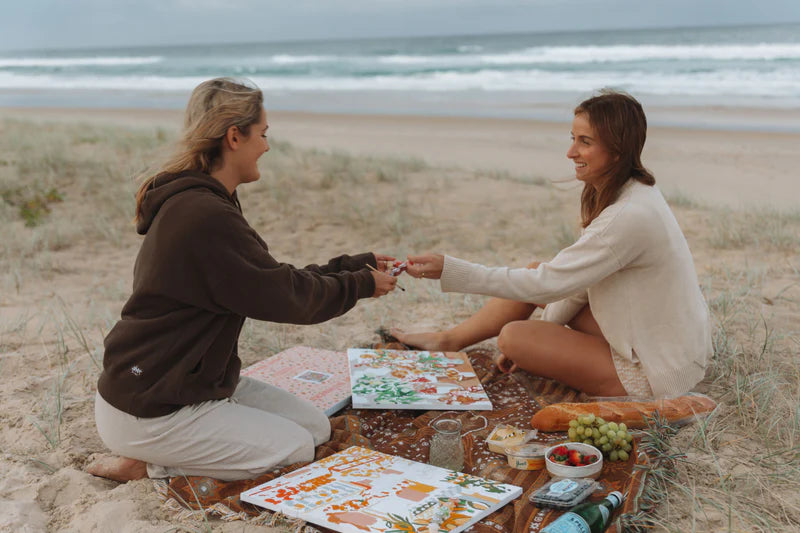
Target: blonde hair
[{"x": 215, "y": 106}]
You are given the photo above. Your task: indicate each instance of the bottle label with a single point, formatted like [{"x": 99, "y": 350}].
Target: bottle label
[
  {"x": 568, "y": 523},
  {"x": 605, "y": 512}
]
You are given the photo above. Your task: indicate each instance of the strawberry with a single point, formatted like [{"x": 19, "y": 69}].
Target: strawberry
[
  {"x": 574, "y": 457},
  {"x": 559, "y": 454},
  {"x": 560, "y": 450},
  {"x": 589, "y": 459}
]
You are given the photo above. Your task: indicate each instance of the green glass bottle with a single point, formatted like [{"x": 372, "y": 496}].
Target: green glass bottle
[{"x": 586, "y": 517}]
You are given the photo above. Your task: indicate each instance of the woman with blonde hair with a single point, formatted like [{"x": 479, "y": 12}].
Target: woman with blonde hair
[
  {"x": 623, "y": 312},
  {"x": 170, "y": 399}
]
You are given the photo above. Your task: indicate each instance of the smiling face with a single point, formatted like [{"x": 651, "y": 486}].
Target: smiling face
[
  {"x": 590, "y": 156},
  {"x": 251, "y": 148}
]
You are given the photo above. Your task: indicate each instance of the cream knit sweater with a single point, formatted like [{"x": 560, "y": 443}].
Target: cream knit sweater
[{"x": 633, "y": 266}]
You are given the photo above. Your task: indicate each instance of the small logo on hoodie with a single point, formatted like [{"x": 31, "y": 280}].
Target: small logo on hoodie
[{"x": 136, "y": 371}]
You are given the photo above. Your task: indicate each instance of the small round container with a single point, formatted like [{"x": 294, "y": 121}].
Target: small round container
[
  {"x": 565, "y": 471},
  {"x": 504, "y": 436},
  {"x": 526, "y": 456}
]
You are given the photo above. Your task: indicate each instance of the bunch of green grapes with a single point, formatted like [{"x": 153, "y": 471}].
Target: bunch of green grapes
[{"x": 611, "y": 438}]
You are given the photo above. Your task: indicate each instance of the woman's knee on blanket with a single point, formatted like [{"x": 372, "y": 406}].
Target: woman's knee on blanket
[{"x": 517, "y": 340}]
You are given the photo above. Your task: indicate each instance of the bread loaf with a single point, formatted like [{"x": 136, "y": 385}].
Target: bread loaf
[{"x": 556, "y": 417}]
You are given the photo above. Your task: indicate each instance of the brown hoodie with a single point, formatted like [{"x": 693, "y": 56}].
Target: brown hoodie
[{"x": 200, "y": 271}]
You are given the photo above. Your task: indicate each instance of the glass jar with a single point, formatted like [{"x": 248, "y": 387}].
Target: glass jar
[{"x": 446, "y": 449}]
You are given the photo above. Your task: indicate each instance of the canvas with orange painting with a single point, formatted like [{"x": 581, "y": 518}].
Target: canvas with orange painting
[
  {"x": 411, "y": 379},
  {"x": 361, "y": 490}
]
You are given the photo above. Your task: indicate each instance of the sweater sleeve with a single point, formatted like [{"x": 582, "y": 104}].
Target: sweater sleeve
[
  {"x": 609, "y": 244},
  {"x": 236, "y": 274},
  {"x": 563, "y": 311},
  {"x": 344, "y": 263}
]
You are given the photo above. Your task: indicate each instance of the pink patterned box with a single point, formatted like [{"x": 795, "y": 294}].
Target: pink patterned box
[{"x": 321, "y": 376}]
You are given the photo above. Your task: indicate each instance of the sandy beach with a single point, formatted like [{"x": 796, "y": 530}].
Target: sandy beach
[
  {"x": 491, "y": 190},
  {"x": 723, "y": 167}
]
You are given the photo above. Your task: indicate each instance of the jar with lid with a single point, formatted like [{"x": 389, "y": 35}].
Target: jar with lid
[{"x": 446, "y": 449}]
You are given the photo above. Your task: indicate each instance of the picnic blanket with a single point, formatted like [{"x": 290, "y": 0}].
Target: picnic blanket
[{"x": 407, "y": 433}]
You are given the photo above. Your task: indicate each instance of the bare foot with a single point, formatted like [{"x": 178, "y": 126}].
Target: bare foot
[
  {"x": 436, "y": 341},
  {"x": 120, "y": 469}
]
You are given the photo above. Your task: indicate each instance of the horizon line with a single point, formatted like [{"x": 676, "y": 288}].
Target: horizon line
[{"x": 382, "y": 38}]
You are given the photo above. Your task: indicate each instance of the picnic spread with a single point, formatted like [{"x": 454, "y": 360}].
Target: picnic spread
[{"x": 500, "y": 446}]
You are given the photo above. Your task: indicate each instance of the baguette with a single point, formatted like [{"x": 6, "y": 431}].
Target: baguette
[{"x": 556, "y": 417}]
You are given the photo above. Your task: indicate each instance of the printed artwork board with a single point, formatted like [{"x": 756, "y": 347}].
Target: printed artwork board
[
  {"x": 363, "y": 491},
  {"x": 320, "y": 376},
  {"x": 411, "y": 379}
]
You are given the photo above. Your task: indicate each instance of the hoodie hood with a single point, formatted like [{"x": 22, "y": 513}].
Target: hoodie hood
[{"x": 165, "y": 186}]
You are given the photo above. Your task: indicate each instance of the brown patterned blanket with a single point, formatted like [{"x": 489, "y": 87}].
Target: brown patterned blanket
[{"x": 407, "y": 434}]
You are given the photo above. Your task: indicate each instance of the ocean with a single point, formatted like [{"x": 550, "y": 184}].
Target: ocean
[{"x": 535, "y": 75}]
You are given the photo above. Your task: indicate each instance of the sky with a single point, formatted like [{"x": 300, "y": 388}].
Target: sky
[{"x": 58, "y": 24}]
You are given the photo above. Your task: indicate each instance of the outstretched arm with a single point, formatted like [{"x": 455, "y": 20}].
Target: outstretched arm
[{"x": 425, "y": 266}]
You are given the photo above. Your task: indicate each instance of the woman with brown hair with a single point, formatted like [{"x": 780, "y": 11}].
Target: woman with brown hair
[
  {"x": 623, "y": 312},
  {"x": 170, "y": 399}
]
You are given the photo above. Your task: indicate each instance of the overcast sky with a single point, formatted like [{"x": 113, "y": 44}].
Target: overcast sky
[{"x": 31, "y": 24}]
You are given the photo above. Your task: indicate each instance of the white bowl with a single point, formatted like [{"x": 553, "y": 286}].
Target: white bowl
[{"x": 566, "y": 471}]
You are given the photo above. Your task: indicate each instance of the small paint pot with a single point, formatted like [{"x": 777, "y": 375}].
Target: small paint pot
[{"x": 526, "y": 456}]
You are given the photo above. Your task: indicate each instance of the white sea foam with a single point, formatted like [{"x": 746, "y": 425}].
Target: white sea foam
[
  {"x": 737, "y": 82},
  {"x": 620, "y": 53},
  {"x": 93, "y": 82},
  {"x": 77, "y": 61},
  {"x": 286, "y": 59},
  {"x": 571, "y": 55}
]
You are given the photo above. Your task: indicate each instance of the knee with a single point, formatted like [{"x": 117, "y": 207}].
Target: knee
[{"x": 508, "y": 341}]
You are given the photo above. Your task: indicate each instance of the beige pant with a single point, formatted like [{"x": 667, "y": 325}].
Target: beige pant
[{"x": 259, "y": 428}]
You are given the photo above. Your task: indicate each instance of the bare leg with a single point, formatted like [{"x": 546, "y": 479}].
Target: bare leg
[
  {"x": 585, "y": 322},
  {"x": 484, "y": 324},
  {"x": 120, "y": 469},
  {"x": 579, "y": 359}
]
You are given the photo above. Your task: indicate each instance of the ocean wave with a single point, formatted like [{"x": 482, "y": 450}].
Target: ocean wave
[
  {"x": 471, "y": 56},
  {"x": 620, "y": 53},
  {"x": 77, "y": 61},
  {"x": 286, "y": 59},
  {"x": 468, "y": 57},
  {"x": 733, "y": 82},
  {"x": 609, "y": 54}
]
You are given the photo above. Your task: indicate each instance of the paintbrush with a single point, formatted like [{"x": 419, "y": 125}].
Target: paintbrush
[{"x": 376, "y": 270}]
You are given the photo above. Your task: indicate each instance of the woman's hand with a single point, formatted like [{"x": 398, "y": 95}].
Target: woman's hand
[
  {"x": 385, "y": 262},
  {"x": 506, "y": 365},
  {"x": 427, "y": 266},
  {"x": 384, "y": 283}
]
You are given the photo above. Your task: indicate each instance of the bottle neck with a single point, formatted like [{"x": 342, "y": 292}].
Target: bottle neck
[{"x": 612, "y": 501}]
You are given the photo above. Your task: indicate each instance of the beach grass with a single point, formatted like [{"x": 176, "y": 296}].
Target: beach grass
[{"x": 67, "y": 253}]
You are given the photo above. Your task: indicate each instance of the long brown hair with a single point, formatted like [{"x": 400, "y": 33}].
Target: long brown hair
[
  {"x": 621, "y": 127},
  {"x": 215, "y": 106}
]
